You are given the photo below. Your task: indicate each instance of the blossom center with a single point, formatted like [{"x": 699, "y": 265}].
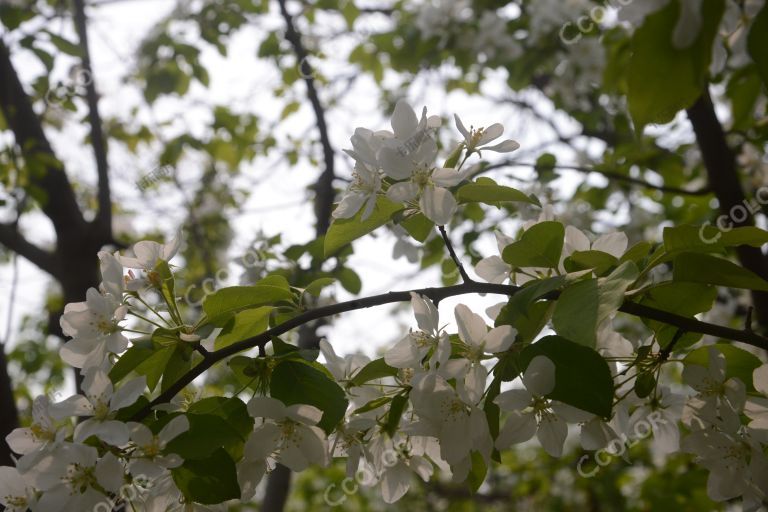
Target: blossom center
[
  {"x": 41, "y": 433},
  {"x": 289, "y": 432},
  {"x": 79, "y": 477},
  {"x": 422, "y": 177},
  {"x": 16, "y": 501}
]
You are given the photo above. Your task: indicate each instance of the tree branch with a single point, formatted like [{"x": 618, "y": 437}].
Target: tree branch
[
  {"x": 324, "y": 193},
  {"x": 44, "y": 169},
  {"x": 436, "y": 295},
  {"x": 611, "y": 175},
  {"x": 464, "y": 276},
  {"x": 104, "y": 215},
  {"x": 15, "y": 241},
  {"x": 720, "y": 164}
]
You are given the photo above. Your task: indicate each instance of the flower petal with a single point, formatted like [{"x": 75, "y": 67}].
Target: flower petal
[
  {"x": 266, "y": 407},
  {"x": 404, "y": 120},
  {"x": 128, "y": 393},
  {"x": 426, "y": 313},
  {"x": 507, "y": 146},
  {"x": 500, "y": 339},
  {"x": 613, "y": 243},
  {"x": 438, "y": 205},
  {"x": 472, "y": 328},
  {"x": 513, "y": 399},
  {"x": 403, "y": 192},
  {"x": 551, "y": 434},
  {"x": 519, "y": 428},
  {"x": 446, "y": 177},
  {"x": 490, "y": 133},
  {"x": 539, "y": 377},
  {"x": 493, "y": 269}
]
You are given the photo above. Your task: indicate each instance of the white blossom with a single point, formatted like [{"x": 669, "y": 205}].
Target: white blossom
[
  {"x": 101, "y": 402},
  {"x": 414, "y": 346}
]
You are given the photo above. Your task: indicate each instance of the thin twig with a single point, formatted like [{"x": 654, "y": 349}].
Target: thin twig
[
  {"x": 464, "y": 276},
  {"x": 664, "y": 353},
  {"x": 608, "y": 174},
  {"x": 324, "y": 187},
  {"x": 104, "y": 215}
]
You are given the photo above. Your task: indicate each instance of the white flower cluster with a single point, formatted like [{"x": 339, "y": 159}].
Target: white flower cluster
[
  {"x": 86, "y": 465},
  {"x": 733, "y": 451},
  {"x": 401, "y": 164},
  {"x": 484, "y": 35}
]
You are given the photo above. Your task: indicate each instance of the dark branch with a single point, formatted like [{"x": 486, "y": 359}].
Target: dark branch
[
  {"x": 44, "y": 169},
  {"x": 464, "y": 276},
  {"x": 104, "y": 216},
  {"x": 16, "y": 242},
  {"x": 720, "y": 163},
  {"x": 436, "y": 295},
  {"x": 324, "y": 193},
  {"x": 610, "y": 175}
]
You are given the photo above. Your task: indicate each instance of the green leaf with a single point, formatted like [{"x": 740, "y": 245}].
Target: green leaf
[
  {"x": 289, "y": 109},
  {"x": 757, "y": 42},
  {"x": 63, "y": 45},
  {"x": 539, "y": 246},
  {"x": 294, "y": 382},
  {"x": 178, "y": 364},
  {"x": 344, "y": 231},
  {"x": 207, "y": 433},
  {"x": 702, "y": 268},
  {"x": 315, "y": 287},
  {"x": 396, "y": 409},
  {"x": 154, "y": 366},
  {"x": 231, "y": 409},
  {"x": 575, "y": 314},
  {"x": 687, "y": 299},
  {"x": 663, "y": 79},
  {"x": 644, "y": 385},
  {"x": 349, "y": 280},
  {"x": 582, "y": 377},
  {"x": 130, "y": 359},
  {"x": 584, "y": 305},
  {"x": 600, "y": 261},
  {"x": 519, "y": 303},
  {"x": 636, "y": 253},
  {"x": 739, "y": 362},
  {"x": 208, "y": 481},
  {"x": 244, "y": 325},
  {"x": 374, "y": 404},
  {"x": 246, "y": 369},
  {"x": 167, "y": 287},
  {"x": 493, "y": 413},
  {"x": 376, "y": 369},
  {"x": 485, "y": 190},
  {"x": 223, "y": 304},
  {"x": 708, "y": 238},
  {"x": 418, "y": 226},
  {"x": 613, "y": 287},
  {"x": 477, "y": 472}
]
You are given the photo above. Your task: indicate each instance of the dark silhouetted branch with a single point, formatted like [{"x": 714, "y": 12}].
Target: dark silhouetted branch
[
  {"x": 104, "y": 215},
  {"x": 720, "y": 163}
]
